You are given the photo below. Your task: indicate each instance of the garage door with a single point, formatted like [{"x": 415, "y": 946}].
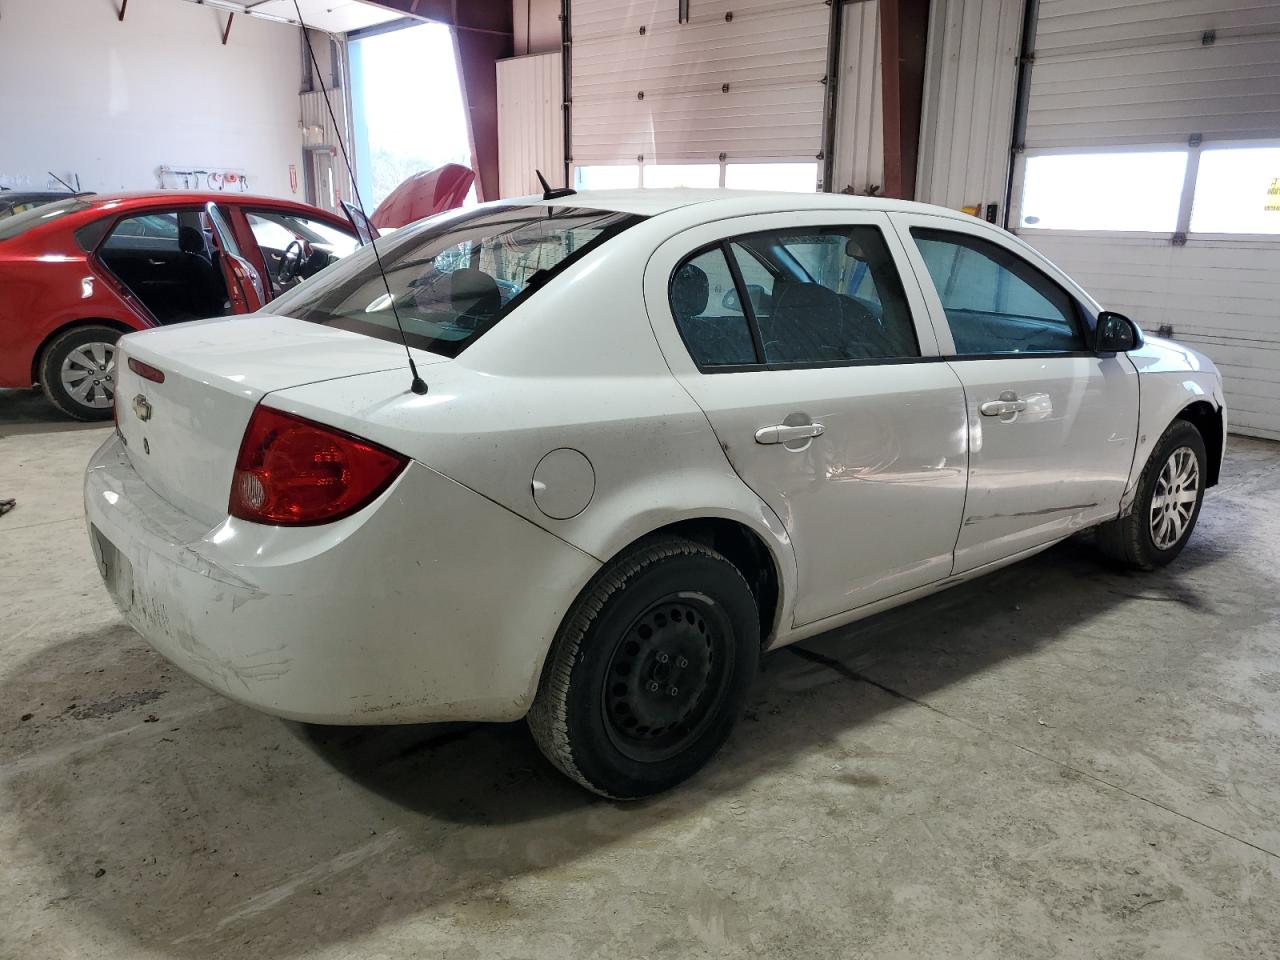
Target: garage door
[
  {"x": 739, "y": 82},
  {"x": 1152, "y": 174}
]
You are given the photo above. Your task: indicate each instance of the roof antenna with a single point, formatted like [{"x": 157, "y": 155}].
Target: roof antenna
[
  {"x": 417, "y": 385},
  {"x": 549, "y": 192}
]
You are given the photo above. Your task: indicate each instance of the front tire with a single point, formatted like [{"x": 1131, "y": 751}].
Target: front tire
[
  {"x": 649, "y": 670},
  {"x": 1167, "y": 504},
  {"x": 78, "y": 371}
]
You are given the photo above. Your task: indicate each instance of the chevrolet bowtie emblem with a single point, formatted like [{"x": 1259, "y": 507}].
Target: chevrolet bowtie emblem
[{"x": 142, "y": 407}]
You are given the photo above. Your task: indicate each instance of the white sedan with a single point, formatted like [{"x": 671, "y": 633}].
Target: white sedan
[{"x": 656, "y": 434}]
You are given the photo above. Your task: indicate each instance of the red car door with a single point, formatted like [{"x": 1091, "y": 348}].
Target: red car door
[{"x": 245, "y": 285}]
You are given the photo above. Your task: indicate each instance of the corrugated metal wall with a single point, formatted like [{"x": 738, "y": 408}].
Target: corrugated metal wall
[
  {"x": 530, "y": 123},
  {"x": 741, "y": 77},
  {"x": 1139, "y": 71},
  {"x": 970, "y": 82},
  {"x": 1219, "y": 296},
  {"x": 859, "y": 158}
]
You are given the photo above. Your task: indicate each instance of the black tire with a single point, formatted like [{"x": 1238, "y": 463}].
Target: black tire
[
  {"x": 1130, "y": 540},
  {"x": 50, "y": 369},
  {"x": 605, "y": 713}
]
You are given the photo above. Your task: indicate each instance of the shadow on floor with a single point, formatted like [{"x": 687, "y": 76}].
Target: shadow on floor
[
  {"x": 27, "y": 411},
  {"x": 212, "y": 827}
]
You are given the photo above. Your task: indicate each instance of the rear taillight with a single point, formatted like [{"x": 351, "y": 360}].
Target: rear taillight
[{"x": 294, "y": 472}]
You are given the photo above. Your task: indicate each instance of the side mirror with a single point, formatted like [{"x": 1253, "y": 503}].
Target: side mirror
[{"x": 1116, "y": 333}]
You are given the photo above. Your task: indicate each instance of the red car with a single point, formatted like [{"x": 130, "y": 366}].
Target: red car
[{"x": 78, "y": 273}]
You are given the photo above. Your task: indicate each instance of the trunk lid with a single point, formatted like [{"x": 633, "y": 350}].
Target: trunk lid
[{"x": 183, "y": 435}]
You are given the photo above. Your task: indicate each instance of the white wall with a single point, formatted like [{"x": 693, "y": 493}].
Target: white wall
[{"x": 81, "y": 93}]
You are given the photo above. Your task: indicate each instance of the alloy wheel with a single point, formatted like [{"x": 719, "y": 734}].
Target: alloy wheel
[
  {"x": 88, "y": 374},
  {"x": 1173, "y": 503}
]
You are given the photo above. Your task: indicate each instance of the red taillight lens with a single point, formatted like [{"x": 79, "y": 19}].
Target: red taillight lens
[
  {"x": 146, "y": 371},
  {"x": 294, "y": 472}
]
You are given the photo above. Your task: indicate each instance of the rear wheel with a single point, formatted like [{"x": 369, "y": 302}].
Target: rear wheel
[
  {"x": 1167, "y": 504},
  {"x": 649, "y": 671},
  {"x": 78, "y": 371}
]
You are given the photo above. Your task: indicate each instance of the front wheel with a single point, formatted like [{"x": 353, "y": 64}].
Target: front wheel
[
  {"x": 1167, "y": 504},
  {"x": 649, "y": 671},
  {"x": 78, "y": 371}
]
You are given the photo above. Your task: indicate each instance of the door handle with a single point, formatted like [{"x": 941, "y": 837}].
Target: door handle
[
  {"x": 1007, "y": 404},
  {"x": 785, "y": 433}
]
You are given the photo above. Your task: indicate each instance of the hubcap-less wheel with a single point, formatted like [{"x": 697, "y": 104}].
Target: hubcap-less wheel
[
  {"x": 667, "y": 677},
  {"x": 88, "y": 375},
  {"x": 1173, "y": 503}
]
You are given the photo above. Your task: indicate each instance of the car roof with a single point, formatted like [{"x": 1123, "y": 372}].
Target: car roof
[
  {"x": 161, "y": 198},
  {"x": 651, "y": 202}
]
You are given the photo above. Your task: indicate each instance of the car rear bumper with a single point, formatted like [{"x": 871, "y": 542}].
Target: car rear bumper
[{"x": 431, "y": 604}]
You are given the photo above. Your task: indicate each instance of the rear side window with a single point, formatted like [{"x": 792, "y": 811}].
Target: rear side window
[
  {"x": 451, "y": 279},
  {"x": 708, "y": 313},
  {"x": 810, "y": 296},
  {"x": 996, "y": 302}
]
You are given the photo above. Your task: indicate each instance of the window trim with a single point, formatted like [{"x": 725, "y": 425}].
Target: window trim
[{"x": 725, "y": 244}]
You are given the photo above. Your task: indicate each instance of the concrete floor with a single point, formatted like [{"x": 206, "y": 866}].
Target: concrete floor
[{"x": 1056, "y": 761}]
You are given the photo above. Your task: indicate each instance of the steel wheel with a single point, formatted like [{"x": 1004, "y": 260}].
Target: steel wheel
[
  {"x": 667, "y": 676},
  {"x": 1173, "y": 503},
  {"x": 88, "y": 374}
]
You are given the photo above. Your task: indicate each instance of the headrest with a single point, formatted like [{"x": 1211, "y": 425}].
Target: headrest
[
  {"x": 805, "y": 298},
  {"x": 191, "y": 240},
  {"x": 470, "y": 288},
  {"x": 690, "y": 291}
]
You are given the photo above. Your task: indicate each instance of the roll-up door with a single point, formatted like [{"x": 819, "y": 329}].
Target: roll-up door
[
  {"x": 739, "y": 78},
  {"x": 1152, "y": 174}
]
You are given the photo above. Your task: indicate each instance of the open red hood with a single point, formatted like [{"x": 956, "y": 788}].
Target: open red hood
[{"x": 424, "y": 194}]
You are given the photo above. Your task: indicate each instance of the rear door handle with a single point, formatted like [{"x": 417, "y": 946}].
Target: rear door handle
[
  {"x": 1007, "y": 404},
  {"x": 784, "y": 433}
]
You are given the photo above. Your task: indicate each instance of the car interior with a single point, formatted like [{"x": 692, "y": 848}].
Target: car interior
[
  {"x": 168, "y": 261},
  {"x": 831, "y": 295},
  {"x": 296, "y": 248}
]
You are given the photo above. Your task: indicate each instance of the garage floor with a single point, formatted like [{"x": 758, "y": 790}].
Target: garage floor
[{"x": 1055, "y": 761}]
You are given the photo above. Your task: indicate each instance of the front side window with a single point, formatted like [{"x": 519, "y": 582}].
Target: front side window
[
  {"x": 453, "y": 277},
  {"x": 996, "y": 302}
]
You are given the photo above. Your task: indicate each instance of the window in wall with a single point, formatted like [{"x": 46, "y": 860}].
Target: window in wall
[
  {"x": 1130, "y": 190},
  {"x": 994, "y": 300},
  {"x": 607, "y": 177},
  {"x": 708, "y": 313},
  {"x": 1237, "y": 191},
  {"x": 682, "y": 175},
  {"x": 792, "y": 177}
]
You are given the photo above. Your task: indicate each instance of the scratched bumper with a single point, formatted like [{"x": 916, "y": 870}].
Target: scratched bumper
[{"x": 430, "y": 604}]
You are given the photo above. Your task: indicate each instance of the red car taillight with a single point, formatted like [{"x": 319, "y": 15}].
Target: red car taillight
[{"x": 294, "y": 472}]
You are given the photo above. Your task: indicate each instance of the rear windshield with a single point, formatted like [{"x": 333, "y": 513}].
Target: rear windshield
[
  {"x": 20, "y": 223},
  {"x": 454, "y": 277}
]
